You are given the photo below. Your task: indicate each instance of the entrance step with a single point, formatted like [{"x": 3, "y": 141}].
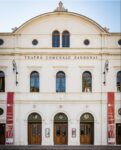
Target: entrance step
[{"x": 38, "y": 147}]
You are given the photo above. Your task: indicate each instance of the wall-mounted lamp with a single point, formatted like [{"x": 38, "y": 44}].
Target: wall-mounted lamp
[
  {"x": 119, "y": 111},
  {"x": 105, "y": 70},
  {"x": 15, "y": 69}
]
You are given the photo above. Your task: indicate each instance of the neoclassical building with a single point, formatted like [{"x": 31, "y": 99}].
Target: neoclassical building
[{"x": 60, "y": 82}]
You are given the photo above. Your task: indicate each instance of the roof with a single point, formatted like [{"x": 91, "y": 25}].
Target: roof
[
  {"x": 103, "y": 30},
  {"x": 58, "y": 11}
]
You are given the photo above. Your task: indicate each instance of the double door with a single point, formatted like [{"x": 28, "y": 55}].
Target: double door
[
  {"x": 86, "y": 133},
  {"x": 60, "y": 134},
  {"x": 2, "y": 134},
  {"x": 34, "y": 133},
  {"x": 118, "y": 133}
]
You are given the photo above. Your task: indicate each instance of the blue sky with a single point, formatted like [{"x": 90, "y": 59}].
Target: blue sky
[{"x": 13, "y": 13}]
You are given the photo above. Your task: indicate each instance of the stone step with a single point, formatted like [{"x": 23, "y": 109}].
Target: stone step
[{"x": 38, "y": 147}]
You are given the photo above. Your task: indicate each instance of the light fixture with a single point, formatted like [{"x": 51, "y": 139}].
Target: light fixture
[
  {"x": 106, "y": 69},
  {"x": 119, "y": 111},
  {"x": 15, "y": 69}
]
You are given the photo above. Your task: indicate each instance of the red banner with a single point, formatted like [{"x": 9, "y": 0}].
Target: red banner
[
  {"x": 9, "y": 120},
  {"x": 111, "y": 122}
]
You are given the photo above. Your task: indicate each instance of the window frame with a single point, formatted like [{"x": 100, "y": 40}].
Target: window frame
[
  {"x": 88, "y": 87},
  {"x": 37, "y": 77},
  {"x": 118, "y": 88},
  {"x": 2, "y": 79},
  {"x": 55, "y": 39},
  {"x": 65, "y": 39},
  {"x": 60, "y": 82}
]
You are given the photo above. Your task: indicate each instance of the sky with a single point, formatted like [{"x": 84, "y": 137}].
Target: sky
[{"x": 13, "y": 13}]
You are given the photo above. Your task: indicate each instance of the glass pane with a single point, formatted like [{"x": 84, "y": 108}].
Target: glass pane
[
  {"x": 65, "y": 39},
  {"x": 56, "y": 39},
  {"x": 86, "y": 82},
  {"x": 89, "y": 130},
  {"x": 60, "y": 117},
  {"x": 87, "y": 117},
  {"x": 34, "y": 82},
  {"x": 34, "y": 117},
  {"x": 60, "y": 82},
  {"x": 63, "y": 85},
  {"x": 38, "y": 129},
  {"x": 57, "y": 85},
  {"x": 2, "y": 74},
  {"x": 2, "y": 82},
  {"x": 63, "y": 131},
  {"x": 34, "y": 130},
  {"x": 2, "y": 130},
  {"x": 119, "y": 130},
  {"x": 82, "y": 130},
  {"x": 86, "y": 128},
  {"x": 119, "y": 81},
  {"x": 58, "y": 131}
]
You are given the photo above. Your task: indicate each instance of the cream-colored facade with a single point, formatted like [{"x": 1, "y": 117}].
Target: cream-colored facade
[{"x": 73, "y": 61}]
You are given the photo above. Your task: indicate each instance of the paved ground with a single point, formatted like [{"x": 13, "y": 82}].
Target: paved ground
[{"x": 89, "y": 147}]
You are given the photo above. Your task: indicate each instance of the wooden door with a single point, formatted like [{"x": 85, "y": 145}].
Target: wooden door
[
  {"x": 86, "y": 133},
  {"x": 118, "y": 133},
  {"x": 2, "y": 134},
  {"x": 61, "y": 134},
  {"x": 34, "y": 133}
]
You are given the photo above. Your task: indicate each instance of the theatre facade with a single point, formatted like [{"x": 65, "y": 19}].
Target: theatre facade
[{"x": 60, "y": 82}]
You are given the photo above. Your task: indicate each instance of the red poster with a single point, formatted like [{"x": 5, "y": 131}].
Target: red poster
[
  {"x": 111, "y": 121},
  {"x": 9, "y": 120}
]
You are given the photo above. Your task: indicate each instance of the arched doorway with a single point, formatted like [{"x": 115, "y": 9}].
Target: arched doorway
[
  {"x": 118, "y": 133},
  {"x": 2, "y": 133},
  {"x": 60, "y": 129},
  {"x": 34, "y": 129},
  {"x": 86, "y": 129}
]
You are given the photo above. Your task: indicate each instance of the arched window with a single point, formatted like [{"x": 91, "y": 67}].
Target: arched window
[
  {"x": 60, "y": 117},
  {"x": 2, "y": 81},
  {"x": 34, "y": 82},
  {"x": 55, "y": 39},
  {"x": 86, "y": 82},
  {"x": 119, "y": 81},
  {"x": 34, "y": 117},
  {"x": 65, "y": 39},
  {"x": 60, "y": 82}
]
